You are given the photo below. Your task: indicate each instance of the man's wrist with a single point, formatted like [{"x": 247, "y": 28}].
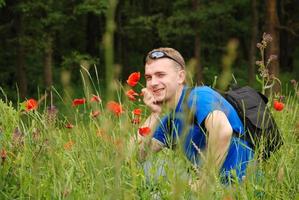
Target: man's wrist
[
  {"x": 140, "y": 138},
  {"x": 155, "y": 115}
]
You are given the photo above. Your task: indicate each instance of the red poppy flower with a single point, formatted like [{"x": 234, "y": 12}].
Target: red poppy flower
[
  {"x": 136, "y": 120},
  {"x": 31, "y": 104},
  {"x": 95, "y": 98},
  {"x": 119, "y": 143},
  {"x": 137, "y": 111},
  {"x": 3, "y": 155},
  {"x": 278, "y": 105},
  {"x": 69, "y": 126},
  {"x": 101, "y": 133},
  {"x": 95, "y": 113},
  {"x": 131, "y": 94},
  {"x": 115, "y": 107},
  {"x": 133, "y": 79},
  {"x": 77, "y": 102},
  {"x": 69, "y": 145},
  {"x": 144, "y": 131}
]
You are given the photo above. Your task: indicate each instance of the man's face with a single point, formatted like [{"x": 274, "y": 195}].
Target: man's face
[{"x": 163, "y": 79}]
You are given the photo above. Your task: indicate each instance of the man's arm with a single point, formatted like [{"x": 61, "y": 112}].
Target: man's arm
[
  {"x": 219, "y": 137},
  {"x": 146, "y": 142},
  {"x": 218, "y": 140}
]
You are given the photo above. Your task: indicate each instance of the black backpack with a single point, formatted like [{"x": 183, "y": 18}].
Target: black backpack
[{"x": 261, "y": 129}]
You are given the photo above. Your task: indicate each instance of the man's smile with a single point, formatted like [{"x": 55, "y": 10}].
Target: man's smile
[{"x": 158, "y": 91}]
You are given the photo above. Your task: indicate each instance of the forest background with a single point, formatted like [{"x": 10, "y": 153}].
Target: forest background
[{"x": 44, "y": 43}]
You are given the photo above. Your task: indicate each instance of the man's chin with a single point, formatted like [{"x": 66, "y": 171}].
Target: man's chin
[{"x": 159, "y": 100}]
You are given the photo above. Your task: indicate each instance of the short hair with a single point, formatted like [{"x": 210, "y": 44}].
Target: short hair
[{"x": 171, "y": 53}]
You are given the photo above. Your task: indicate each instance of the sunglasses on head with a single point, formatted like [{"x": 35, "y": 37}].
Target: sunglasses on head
[{"x": 161, "y": 54}]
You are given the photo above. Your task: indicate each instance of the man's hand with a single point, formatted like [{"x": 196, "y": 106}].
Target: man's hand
[
  {"x": 146, "y": 143},
  {"x": 150, "y": 101}
]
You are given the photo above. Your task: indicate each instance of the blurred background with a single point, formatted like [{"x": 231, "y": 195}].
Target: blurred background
[{"x": 44, "y": 43}]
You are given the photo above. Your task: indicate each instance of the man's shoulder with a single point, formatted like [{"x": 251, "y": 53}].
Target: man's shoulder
[
  {"x": 202, "y": 90},
  {"x": 204, "y": 95}
]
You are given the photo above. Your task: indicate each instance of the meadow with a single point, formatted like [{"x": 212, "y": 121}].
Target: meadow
[
  {"x": 85, "y": 153},
  {"x": 83, "y": 149}
]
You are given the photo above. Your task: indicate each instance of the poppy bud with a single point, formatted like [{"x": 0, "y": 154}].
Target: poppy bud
[{"x": 278, "y": 105}]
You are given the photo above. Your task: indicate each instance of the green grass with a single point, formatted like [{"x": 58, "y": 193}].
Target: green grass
[{"x": 103, "y": 166}]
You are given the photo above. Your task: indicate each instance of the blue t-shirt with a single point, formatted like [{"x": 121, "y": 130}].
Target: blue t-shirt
[{"x": 202, "y": 101}]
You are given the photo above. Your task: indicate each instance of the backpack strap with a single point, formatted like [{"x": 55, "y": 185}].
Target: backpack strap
[{"x": 202, "y": 125}]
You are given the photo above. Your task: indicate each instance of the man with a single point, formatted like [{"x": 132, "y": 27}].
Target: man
[{"x": 209, "y": 140}]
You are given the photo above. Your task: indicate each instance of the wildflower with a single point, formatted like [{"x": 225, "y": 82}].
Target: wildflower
[
  {"x": 144, "y": 131},
  {"x": 294, "y": 82},
  {"x": 100, "y": 133},
  {"x": 119, "y": 143},
  {"x": 228, "y": 197},
  {"x": 65, "y": 193},
  {"x": 131, "y": 94},
  {"x": 51, "y": 115},
  {"x": 104, "y": 136},
  {"x": 77, "y": 102},
  {"x": 295, "y": 85},
  {"x": 278, "y": 105},
  {"x": 31, "y": 104},
  {"x": 95, "y": 113},
  {"x": 136, "y": 116},
  {"x": 259, "y": 63},
  {"x": 259, "y": 45},
  {"x": 267, "y": 37},
  {"x": 137, "y": 111},
  {"x": 133, "y": 79},
  {"x": 95, "y": 98},
  {"x": 52, "y": 109},
  {"x": 136, "y": 120},
  {"x": 69, "y": 145},
  {"x": 3, "y": 155},
  {"x": 18, "y": 137},
  {"x": 69, "y": 126},
  {"x": 36, "y": 134},
  {"x": 115, "y": 107},
  {"x": 273, "y": 57},
  {"x": 264, "y": 72}
]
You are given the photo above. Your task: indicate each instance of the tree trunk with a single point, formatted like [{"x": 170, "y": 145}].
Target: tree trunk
[
  {"x": 252, "y": 52},
  {"x": 287, "y": 45},
  {"x": 119, "y": 39},
  {"x": 92, "y": 29},
  {"x": 272, "y": 23},
  {"x": 48, "y": 57},
  {"x": 198, "y": 68},
  {"x": 108, "y": 41},
  {"x": 21, "y": 61}
]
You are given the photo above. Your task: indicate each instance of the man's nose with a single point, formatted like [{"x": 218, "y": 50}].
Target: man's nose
[{"x": 154, "y": 81}]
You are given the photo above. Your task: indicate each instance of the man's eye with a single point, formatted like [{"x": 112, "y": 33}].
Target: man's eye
[
  {"x": 160, "y": 75},
  {"x": 148, "y": 78}
]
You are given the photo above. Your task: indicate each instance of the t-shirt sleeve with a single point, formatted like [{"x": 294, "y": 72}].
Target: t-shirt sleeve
[{"x": 202, "y": 103}]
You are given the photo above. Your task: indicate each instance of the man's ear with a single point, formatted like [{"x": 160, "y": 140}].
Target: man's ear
[{"x": 181, "y": 76}]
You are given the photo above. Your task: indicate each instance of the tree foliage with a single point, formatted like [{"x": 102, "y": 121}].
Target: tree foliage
[{"x": 67, "y": 31}]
